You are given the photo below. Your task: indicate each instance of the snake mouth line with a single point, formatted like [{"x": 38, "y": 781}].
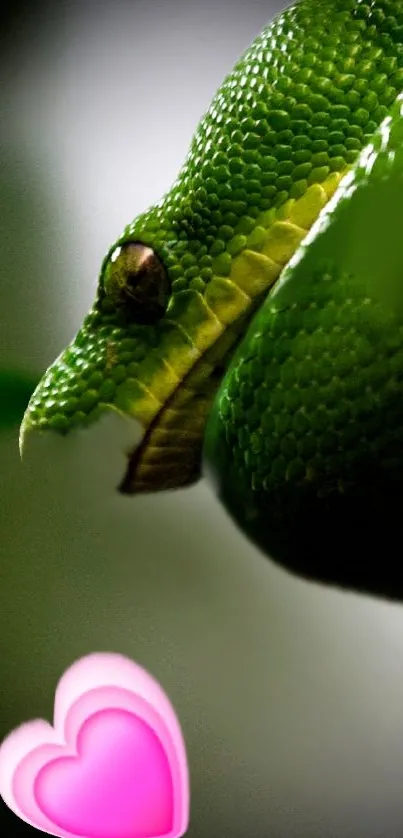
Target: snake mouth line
[{"x": 169, "y": 455}]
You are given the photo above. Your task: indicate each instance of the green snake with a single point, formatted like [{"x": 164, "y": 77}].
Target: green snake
[{"x": 252, "y": 320}]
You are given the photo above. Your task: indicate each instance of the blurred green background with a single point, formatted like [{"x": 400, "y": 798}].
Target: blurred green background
[{"x": 290, "y": 695}]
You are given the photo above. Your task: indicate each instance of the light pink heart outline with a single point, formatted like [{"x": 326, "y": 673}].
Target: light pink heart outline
[{"x": 96, "y": 681}]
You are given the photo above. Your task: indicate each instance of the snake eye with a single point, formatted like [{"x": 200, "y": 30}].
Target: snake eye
[{"x": 136, "y": 280}]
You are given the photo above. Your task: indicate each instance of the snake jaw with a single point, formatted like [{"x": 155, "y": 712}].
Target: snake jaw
[
  {"x": 169, "y": 456},
  {"x": 169, "y": 404}
]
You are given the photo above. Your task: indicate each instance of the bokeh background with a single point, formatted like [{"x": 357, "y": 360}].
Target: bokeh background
[{"x": 290, "y": 695}]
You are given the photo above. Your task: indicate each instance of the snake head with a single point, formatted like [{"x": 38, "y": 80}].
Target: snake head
[{"x": 151, "y": 349}]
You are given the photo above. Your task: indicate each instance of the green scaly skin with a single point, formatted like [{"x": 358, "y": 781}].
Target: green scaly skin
[{"x": 304, "y": 436}]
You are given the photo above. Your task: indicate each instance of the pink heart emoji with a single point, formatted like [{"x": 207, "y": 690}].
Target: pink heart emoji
[
  {"x": 114, "y": 764},
  {"x": 120, "y": 778}
]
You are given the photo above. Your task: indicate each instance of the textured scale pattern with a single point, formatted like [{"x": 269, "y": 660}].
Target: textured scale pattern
[
  {"x": 294, "y": 113},
  {"x": 294, "y": 110},
  {"x": 327, "y": 366},
  {"x": 306, "y": 434}
]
